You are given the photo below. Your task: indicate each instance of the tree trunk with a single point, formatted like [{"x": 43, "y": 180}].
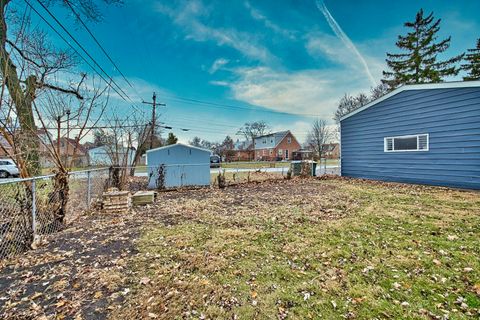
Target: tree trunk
[{"x": 23, "y": 99}]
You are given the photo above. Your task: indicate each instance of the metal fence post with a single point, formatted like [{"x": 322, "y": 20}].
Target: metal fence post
[
  {"x": 89, "y": 188},
  {"x": 34, "y": 208}
]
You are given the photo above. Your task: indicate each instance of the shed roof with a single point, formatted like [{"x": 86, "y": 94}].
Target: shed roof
[
  {"x": 178, "y": 145},
  {"x": 408, "y": 87}
]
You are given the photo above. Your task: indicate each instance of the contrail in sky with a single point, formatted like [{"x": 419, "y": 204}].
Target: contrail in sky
[{"x": 343, "y": 37}]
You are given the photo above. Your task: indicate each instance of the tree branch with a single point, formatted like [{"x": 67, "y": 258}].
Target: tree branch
[
  {"x": 23, "y": 55},
  {"x": 63, "y": 90}
]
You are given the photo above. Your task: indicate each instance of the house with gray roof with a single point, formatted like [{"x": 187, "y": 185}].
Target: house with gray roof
[{"x": 276, "y": 146}]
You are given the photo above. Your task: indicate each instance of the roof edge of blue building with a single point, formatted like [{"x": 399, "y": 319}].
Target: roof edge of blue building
[{"x": 421, "y": 86}]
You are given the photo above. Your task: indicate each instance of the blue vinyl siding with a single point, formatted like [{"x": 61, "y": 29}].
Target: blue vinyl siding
[{"x": 451, "y": 117}]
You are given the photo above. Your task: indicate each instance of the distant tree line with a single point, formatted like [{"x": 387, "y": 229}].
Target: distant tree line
[{"x": 249, "y": 131}]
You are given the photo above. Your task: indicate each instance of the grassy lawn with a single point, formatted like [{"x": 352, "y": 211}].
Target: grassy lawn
[{"x": 311, "y": 249}]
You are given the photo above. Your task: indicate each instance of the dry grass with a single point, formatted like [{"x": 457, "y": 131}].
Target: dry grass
[{"x": 310, "y": 249}]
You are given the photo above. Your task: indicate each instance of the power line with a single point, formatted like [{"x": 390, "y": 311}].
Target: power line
[
  {"x": 116, "y": 127},
  {"x": 73, "y": 48},
  {"x": 101, "y": 47},
  {"x": 83, "y": 49},
  {"x": 187, "y": 100},
  {"x": 227, "y": 106}
]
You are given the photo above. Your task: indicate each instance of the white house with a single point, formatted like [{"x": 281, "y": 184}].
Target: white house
[
  {"x": 178, "y": 165},
  {"x": 106, "y": 156}
]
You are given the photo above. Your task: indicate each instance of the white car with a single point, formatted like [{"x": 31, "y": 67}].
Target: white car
[{"x": 8, "y": 168}]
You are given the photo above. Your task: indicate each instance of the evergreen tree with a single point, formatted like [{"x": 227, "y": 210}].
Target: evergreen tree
[
  {"x": 419, "y": 63},
  {"x": 172, "y": 139},
  {"x": 473, "y": 63},
  {"x": 196, "y": 142}
]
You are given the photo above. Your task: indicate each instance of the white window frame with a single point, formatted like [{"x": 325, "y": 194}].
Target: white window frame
[
  {"x": 406, "y": 136},
  {"x": 289, "y": 140}
]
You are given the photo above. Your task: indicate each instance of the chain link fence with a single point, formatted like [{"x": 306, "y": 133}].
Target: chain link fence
[
  {"x": 168, "y": 176},
  {"x": 37, "y": 206}
]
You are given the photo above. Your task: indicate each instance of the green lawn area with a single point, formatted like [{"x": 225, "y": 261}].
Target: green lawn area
[{"x": 310, "y": 249}]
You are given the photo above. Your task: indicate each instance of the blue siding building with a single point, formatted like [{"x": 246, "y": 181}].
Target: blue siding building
[
  {"x": 180, "y": 164},
  {"x": 425, "y": 134}
]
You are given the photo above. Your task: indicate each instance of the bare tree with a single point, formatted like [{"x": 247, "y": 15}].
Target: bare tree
[
  {"x": 120, "y": 150},
  {"x": 350, "y": 103},
  {"x": 141, "y": 133},
  {"x": 251, "y": 130},
  {"x": 28, "y": 62},
  {"x": 318, "y": 136},
  {"x": 81, "y": 117},
  {"x": 379, "y": 91}
]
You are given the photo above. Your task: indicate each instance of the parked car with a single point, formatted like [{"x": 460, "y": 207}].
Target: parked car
[
  {"x": 8, "y": 168},
  {"x": 215, "y": 161}
]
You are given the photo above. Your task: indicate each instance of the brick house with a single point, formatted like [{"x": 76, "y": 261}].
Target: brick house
[
  {"x": 276, "y": 146},
  {"x": 242, "y": 151},
  {"x": 331, "y": 150},
  {"x": 67, "y": 151}
]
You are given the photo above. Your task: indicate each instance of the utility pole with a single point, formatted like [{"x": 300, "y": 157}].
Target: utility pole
[
  {"x": 154, "y": 105},
  {"x": 58, "y": 135},
  {"x": 68, "y": 137}
]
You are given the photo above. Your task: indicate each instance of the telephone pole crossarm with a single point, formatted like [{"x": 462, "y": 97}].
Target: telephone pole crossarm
[{"x": 154, "y": 104}]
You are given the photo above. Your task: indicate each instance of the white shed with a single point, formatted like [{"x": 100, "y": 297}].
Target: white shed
[{"x": 178, "y": 165}]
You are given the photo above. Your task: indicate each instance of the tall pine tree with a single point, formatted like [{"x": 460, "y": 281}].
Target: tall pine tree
[
  {"x": 419, "y": 63},
  {"x": 172, "y": 139},
  {"x": 473, "y": 63}
]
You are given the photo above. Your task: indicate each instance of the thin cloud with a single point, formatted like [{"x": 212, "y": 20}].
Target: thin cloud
[
  {"x": 217, "y": 64},
  {"x": 188, "y": 17},
  {"x": 257, "y": 15},
  {"x": 344, "y": 38}
]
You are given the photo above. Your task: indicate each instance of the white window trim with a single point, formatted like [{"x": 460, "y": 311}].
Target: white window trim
[{"x": 406, "y": 136}]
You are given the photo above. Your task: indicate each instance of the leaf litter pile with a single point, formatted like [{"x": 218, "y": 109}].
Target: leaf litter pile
[{"x": 303, "y": 248}]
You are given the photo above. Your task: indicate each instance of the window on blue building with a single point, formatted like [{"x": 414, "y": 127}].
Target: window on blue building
[{"x": 418, "y": 142}]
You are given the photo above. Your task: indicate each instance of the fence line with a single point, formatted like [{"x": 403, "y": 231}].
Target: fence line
[
  {"x": 32, "y": 207},
  {"x": 37, "y": 206}
]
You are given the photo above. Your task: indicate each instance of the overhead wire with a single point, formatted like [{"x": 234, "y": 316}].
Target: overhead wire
[
  {"x": 173, "y": 98},
  {"x": 101, "y": 47},
  {"x": 227, "y": 106},
  {"x": 123, "y": 94}
]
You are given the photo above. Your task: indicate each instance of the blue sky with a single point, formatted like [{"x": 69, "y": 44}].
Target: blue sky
[{"x": 261, "y": 56}]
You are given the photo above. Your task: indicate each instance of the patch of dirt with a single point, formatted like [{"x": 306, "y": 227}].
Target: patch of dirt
[
  {"x": 80, "y": 271},
  {"x": 83, "y": 271}
]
